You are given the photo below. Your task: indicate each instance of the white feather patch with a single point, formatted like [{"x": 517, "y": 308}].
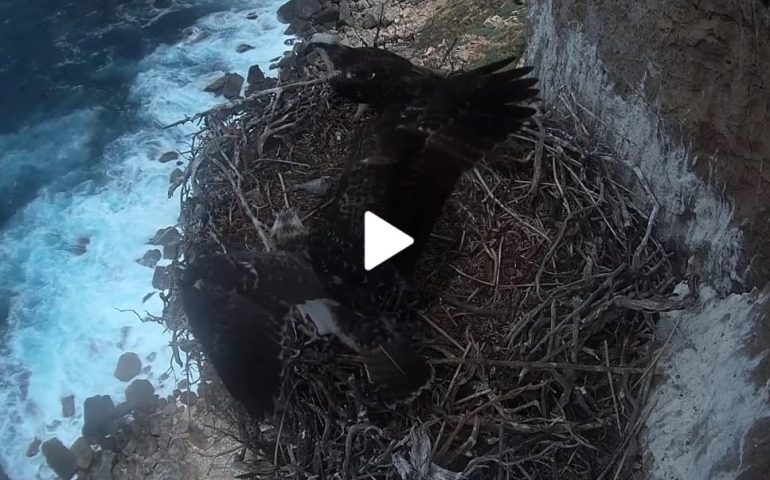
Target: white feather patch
[
  {"x": 320, "y": 312},
  {"x": 327, "y": 38}
]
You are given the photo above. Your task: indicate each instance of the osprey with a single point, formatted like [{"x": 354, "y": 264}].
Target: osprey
[
  {"x": 237, "y": 305},
  {"x": 402, "y": 166}
]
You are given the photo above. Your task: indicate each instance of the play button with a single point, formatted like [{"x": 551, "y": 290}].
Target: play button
[{"x": 381, "y": 240}]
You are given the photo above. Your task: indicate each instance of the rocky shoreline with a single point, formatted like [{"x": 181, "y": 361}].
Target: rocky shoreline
[{"x": 176, "y": 436}]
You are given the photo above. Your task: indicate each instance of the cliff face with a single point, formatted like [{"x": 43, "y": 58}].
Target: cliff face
[{"x": 682, "y": 91}]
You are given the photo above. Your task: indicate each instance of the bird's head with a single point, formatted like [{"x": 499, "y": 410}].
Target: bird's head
[
  {"x": 288, "y": 232},
  {"x": 327, "y": 46}
]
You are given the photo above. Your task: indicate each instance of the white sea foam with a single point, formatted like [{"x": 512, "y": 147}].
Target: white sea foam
[{"x": 64, "y": 325}]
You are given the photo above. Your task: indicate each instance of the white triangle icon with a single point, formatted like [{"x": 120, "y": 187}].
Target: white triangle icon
[{"x": 381, "y": 240}]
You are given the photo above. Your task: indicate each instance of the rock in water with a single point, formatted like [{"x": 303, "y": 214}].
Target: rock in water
[
  {"x": 61, "y": 460},
  {"x": 98, "y": 413},
  {"x": 129, "y": 365},
  {"x": 244, "y": 47},
  {"x": 161, "y": 278},
  {"x": 233, "y": 86},
  {"x": 33, "y": 448},
  {"x": 164, "y": 236},
  {"x": 255, "y": 75},
  {"x": 295, "y": 10},
  {"x": 171, "y": 251},
  {"x": 217, "y": 85},
  {"x": 141, "y": 395},
  {"x": 168, "y": 157},
  {"x": 150, "y": 258},
  {"x": 228, "y": 85},
  {"x": 84, "y": 456},
  {"x": 68, "y": 406}
]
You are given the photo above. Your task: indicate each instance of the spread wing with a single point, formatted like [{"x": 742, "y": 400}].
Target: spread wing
[
  {"x": 373, "y": 75},
  {"x": 236, "y": 307},
  {"x": 405, "y": 164}
]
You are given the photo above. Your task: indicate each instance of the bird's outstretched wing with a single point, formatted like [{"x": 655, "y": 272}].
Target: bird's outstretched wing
[
  {"x": 368, "y": 74},
  {"x": 404, "y": 165},
  {"x": 236, "y": 307}
]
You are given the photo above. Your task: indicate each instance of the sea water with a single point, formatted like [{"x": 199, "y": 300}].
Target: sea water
[{"x": 93, "y": 173}]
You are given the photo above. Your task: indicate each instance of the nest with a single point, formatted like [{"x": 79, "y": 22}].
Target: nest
[{"x": 547, "y": 278}]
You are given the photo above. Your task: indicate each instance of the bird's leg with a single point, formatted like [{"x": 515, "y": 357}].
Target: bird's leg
[{"x": 362, "y": 107}]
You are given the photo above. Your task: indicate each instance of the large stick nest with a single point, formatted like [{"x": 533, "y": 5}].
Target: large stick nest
[{"x": 547, "y": 283}]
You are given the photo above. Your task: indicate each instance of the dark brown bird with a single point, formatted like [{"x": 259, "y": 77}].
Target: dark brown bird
[{"x": 402, "y": 166}]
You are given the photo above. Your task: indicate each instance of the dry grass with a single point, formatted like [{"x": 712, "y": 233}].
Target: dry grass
[{"x": 546, "y": 283}]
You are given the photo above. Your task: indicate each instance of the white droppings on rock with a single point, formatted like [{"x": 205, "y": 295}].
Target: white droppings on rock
[
  {"x": 692, "y": 212},
  {"x": 708, "y": 400}
]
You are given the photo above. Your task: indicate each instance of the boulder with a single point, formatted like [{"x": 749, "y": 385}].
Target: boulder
[
  {"x": 103, "y": 470},
  {"x": 228, "y": 85},
  {"x": 175, "y": 176},
  {"x": 255, "y": 75},
  {"x": 171, "y": 251},
  {"x": 294, "y": 10},
  {"x": 328, "y": 16},
  {"x": 288, "y": 60},
  {"x": 244, "y": 47},
  {"x": 164, "y": 236},
  {"x": 98, "y": 414},
  {"x": 161, "y": 278},
  {"x": 170, "y": 470},
  {"x": 252, "y": 16},
  {"x": 141, "y": 395},
  {"x": 217, "y": 85},
  {"x": 34, "y": 447},
  {"x": 84, "y": 456},
  {"x": 170, "y": 409},
  {"x": 233, "y": 86},
  {"x": 61, "y": 460},
  {"x": 68, "y": 406},
  {"x": 129, "y": 365},
  {"x": 188, "y": 398},
  {"x": 346, "y": 15},
  {"x": 155, "y": 422},
  {"x": 168, "y": 157},
  {"x": 150, "y": 258},
  {"x": 372, "y": 17},
  {"x": 259, "y": 86}
]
